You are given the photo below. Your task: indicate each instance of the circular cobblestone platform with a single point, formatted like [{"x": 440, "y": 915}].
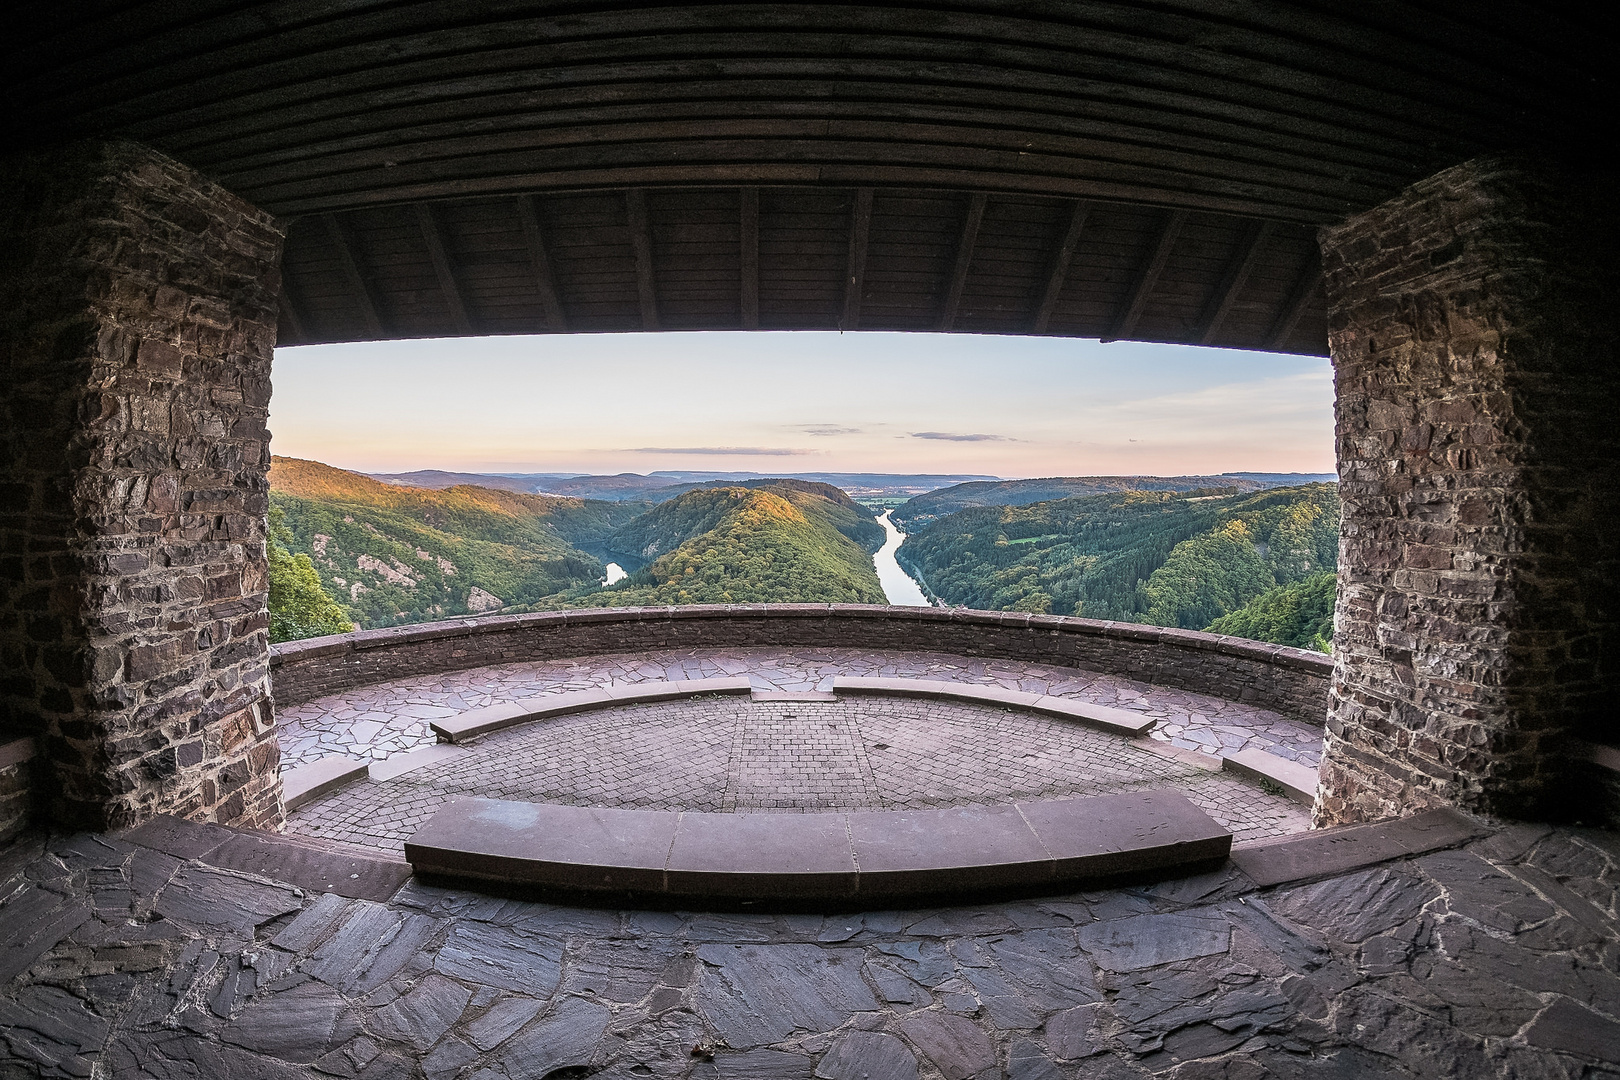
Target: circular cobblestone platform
[
  {"x": 387, "y": 718},
  {"x": 737, "y": 755}
]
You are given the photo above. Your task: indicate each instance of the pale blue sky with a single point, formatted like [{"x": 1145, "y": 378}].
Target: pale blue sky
[{"x": 802, "y": 402}]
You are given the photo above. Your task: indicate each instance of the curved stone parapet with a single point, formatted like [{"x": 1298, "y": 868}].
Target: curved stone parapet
[{"x": 1289, "y": 681}]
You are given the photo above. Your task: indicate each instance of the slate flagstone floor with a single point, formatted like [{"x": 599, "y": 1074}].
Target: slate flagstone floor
[
  {"x": 388, "y": 718},
  {"x": 1501, "y": 959}
]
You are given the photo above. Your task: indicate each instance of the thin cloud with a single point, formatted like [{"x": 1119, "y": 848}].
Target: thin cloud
[
  {"x": 951, "y": 436},
  {"x": 829, "y": 430},
  {"x": 729, "y": 451}
]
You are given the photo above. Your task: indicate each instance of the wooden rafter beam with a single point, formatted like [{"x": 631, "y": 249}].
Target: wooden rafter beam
[
  {"x": 860, "y": 230},
  {"x": 1237, "y": 275},
  {"x": 1298, "y": 299},
  {"x": 1058, "y": 272},
  {"x": 343, "y": 243},
  {"x": 635, "y": 202},
  {"x": 1136, "y": 303},
  {"x": 964, "y": 259},
  {"x": 545, "y": 277},
  {"x": 433, "y": 237},
  {"x": 749, "y": 205}
]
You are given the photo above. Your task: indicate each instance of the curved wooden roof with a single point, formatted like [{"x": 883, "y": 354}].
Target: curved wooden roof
[{"x": 1126, "y": 169}]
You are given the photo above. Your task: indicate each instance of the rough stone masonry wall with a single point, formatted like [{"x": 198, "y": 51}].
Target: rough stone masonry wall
[
  {"x": 137, "y": 319},
  {"x": 1474, "y": 339},
  {"x": 1291, "y": 681}
]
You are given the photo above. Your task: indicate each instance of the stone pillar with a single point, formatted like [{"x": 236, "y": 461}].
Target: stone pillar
[
  {"x": 137, "y": 319},
  {"x": 1473, "y": 325}
]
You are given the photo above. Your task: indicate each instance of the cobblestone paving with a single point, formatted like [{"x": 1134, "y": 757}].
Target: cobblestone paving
[
  {"x": 1498, "y": 960},
  {"x": 732, "y": 754},
  {"x": 385, "y": 719}
]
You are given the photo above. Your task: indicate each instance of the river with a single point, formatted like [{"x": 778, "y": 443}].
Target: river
[{"x": 897, "y": 584}]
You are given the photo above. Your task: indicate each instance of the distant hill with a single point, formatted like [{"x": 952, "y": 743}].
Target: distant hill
[
  {"x": 658, "y": 486},
  {"x": 920, "y": 511},
  {"x": 781, "y": 541},
  {"x": 391, "y": 554},
  {"x": 625, "y": 487},
  {"x": 1287, "y": 479},
  {"x": 689, "y": 515},
  {"x": 902, "y": 484},
  {"x": 438, "y": 479},
  {"x": 1166, "y": 558}
]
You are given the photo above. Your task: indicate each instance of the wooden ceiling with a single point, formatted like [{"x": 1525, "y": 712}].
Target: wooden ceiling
[{"x": 1134, "y": 170}]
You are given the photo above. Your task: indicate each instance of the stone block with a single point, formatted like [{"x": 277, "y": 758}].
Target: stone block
[
  {"x": 761, "y": 856},
  {"x": 887, "y": 856},
  {"x": 306, "y": 783},
  {"x": 1297, "y": 781},
  {"x": 1334, "y": 851},
  {"x": 312, "y": 867},
  {"x": 966, "y": 849}
]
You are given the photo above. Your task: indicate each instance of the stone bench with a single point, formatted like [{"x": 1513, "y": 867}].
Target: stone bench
[
  {"x": 866, "y": 857},
  {"x": 476, "y": 722},
  {"x": 1297, "y": 781},
  {"x": 1119, "y": 721}
]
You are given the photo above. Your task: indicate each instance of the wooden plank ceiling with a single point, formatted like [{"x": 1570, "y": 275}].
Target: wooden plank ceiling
[{"x": 1127, "y": 170}]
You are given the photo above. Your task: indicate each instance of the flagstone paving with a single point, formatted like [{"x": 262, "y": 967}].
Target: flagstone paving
[
  {"x": 384, "y": 719},
  {"x": 733, "y": 755},
  {"x": 1496, "y": 960}
]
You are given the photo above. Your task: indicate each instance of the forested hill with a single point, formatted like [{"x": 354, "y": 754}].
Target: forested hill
[
  {"x": 1166, "y": 558},
  {"x": 687, "y": 516},
  {"x": 775, "y": 543},
  {"x": 922, "y": 510},
  {"x": 394, "y": 555}
]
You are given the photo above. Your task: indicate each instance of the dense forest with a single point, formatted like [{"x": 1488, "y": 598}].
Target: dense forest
[
  {"x": 1299, "y": 614},
  {"x": 1165, "y": 558},
  {"x": 924, "y": 510},
  {"x": 781, "y": 541}
]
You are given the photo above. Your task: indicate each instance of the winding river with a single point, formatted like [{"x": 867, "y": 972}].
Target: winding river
[{"x": 898, "y": 586}]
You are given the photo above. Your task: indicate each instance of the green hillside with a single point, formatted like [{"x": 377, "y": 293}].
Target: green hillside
[
  {"x": 778, "y": 542},
  {"x": 1299, "y": 614},
  {"x": 1171, "y": 559},
  {"x": 923, "y": 510},
  {"x": 394, "y": 555},
  {"x": 691, "y": 514}
]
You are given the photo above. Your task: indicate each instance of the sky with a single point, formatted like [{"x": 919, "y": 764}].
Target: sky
[{"x": 795, "y": 402}]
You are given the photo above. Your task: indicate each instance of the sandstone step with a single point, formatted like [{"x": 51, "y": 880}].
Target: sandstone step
[
  {"x": 1350, "y": 847},
  {"x": 305, "y": 783},
  {"x": 476, "y": 722},
  {"x": 864, "y": 856},
  {"x": 1297, "y": 781},
  {"x": 1119, "y": 721}
]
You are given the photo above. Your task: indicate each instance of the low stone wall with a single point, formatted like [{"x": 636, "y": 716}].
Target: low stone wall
[{"x": 1290, "y": 681}]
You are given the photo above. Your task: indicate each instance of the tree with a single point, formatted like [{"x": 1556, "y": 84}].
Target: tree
[
  {"x": 1299, "y": 614},
  {"x": 299, "y": 607}
]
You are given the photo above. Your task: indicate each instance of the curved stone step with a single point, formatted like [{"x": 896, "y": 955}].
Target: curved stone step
[
  {"x": 1297, "y": 781},
  {"x": 303, "y": 784},
  {"x": 866, "y": 856},
  {"x": 476, "y": 722},
  {"x": 1119, "y": 721}
]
